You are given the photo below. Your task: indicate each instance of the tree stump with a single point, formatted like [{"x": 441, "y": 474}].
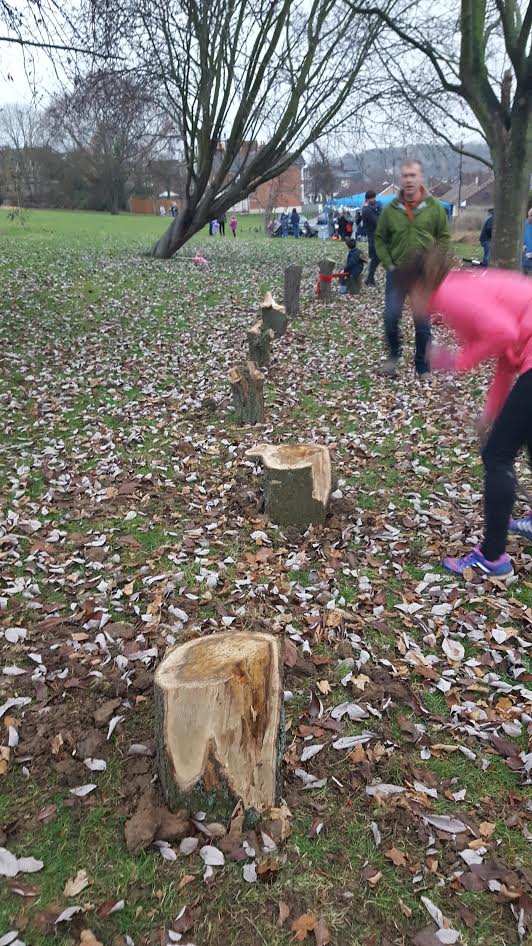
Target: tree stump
[
  {"x": 259, "y": 341},
  {"x": 354, "y": 285},
  {"x": 274, "y": 315},
  {"x": 219, "y": 725},
  {"x": 292, "y": 288},
  {"x": 326, "y": 268},
  {"x": 297, "y": 482},
  {"x": 247, "y": 387}
]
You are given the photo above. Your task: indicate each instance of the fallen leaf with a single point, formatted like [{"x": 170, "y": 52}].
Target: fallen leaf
[
  {"x": 88, "y": 939},
  {"x": 396, "y": 857},
  {"x": 303, "y": 925},
  {"x": 284, "y": 913},
  {"x": 77, "y": 884},
  {"x": 211, "y": 856}
]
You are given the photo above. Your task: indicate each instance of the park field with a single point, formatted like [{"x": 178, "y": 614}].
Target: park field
[{"x": 131, "y": 520}]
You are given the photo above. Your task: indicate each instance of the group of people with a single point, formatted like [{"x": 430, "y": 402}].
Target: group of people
[
  {"x": 217, "y": 225},
  {"x": 486, "y": 235},
  {"x": 286, "y": 220},
  {"x": 490, "y": 313}
]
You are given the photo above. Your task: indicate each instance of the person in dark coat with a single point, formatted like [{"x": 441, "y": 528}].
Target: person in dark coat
[
  {"x": 354, "y": 265},
  {"x": 370, "y": 218},
  {"x": 485, "y": 237},
  {"x": 295, "y": 223},
  {"x": 221, "y": 223}
]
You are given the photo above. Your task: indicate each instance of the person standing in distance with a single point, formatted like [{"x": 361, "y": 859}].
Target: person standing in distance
[
  {"x": 370, "y": 218},
  {"x": 413, "y": 220},
  {"x": 485, "y": 237}
]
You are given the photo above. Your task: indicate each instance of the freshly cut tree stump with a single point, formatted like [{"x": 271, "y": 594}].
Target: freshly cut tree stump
[
  {"x": 259, "y": 341},
  {"x": 247, "y": 386},
  {"x": 219, "y": 727},
  {"x": 297, "y": 482},
  {"x": 274, "y": 315},
  {"x": 292, "y": 288},
  {"x": 326, "y": 268}
]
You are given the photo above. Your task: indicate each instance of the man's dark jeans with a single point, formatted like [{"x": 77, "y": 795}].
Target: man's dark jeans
[
  {"x": 373, "y": 261},
  {"x": 486, "y": 246},
  {"x": 393, "y": 309}
]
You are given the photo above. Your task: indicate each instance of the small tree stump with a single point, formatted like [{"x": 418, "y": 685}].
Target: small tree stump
[
  {"x": 274, "y": 315},
  {"x": 292, "y": 288},
  {"x": 326, "y": 268},
  {"x": 247, "y": 387},
  {"x": 354, "y": 285},
  {"x": 259, "y": 341},
  {"x": 218, "y": 717},
  {"x": 297, "y": 482}
]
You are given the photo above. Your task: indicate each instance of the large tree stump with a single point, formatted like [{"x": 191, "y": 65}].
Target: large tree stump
[
  {"x": 219, "y": 726},
  {"x": 247, "y": 387},
  {"x": 259, "y": 341},
  {"x": 292, "y": 288},
  {"x": 326, "y": 268},
  {"x": 297, "y": 482},
  {"x": 274, "y": 315}
]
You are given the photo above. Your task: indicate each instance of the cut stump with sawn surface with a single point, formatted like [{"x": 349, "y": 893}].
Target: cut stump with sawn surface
[
  {"x": 274, "y": 315},
  {"x": 218, "y": 717},
  {"x": 247, "y": 388},
  {"x": 297, "y": 482}
]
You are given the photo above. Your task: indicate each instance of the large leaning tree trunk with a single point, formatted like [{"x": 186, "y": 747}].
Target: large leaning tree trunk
[
  {"x": 219, "y": 723},
  {"x": 462, "y": 93},
  {"x": 234, "y": 73}
]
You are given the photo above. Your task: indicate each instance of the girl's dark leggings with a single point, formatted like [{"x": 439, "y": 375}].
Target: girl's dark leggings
[{"x": 511, "y": 431}]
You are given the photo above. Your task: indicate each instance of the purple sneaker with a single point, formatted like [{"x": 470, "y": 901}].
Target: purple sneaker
[
  {"x": 500, "y": 568},
  {"x": 522, "y": 526}
]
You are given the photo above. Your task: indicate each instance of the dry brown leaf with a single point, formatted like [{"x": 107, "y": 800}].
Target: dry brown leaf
[
  {"x": 187, "y": 879},
  {"x": 486, "y": 829},
  {"x": 321, "y": 933},
  {"x": 303, "y": 925},
  {"x": 284, "y": 913},
  {"x": 396, "y": 857},
  {"x": 324, "y": 687}
]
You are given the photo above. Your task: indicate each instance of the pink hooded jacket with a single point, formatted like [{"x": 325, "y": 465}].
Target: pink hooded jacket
[{"x": 491, "y": 313}]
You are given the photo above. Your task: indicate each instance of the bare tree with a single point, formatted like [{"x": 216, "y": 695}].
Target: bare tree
[
  {"x": 479, "y": 79},
  {"x": 23, "y": 133},
  {"x": 323, "y": 181},
  {"x": 110, "y": 122},
  {"x": 249, "y": 84}
]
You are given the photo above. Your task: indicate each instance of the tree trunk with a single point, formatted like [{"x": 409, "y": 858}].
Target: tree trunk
[
  {"x": 274, "y": 315},
  {"x": 259, "y": 341},
  {"x": 512, "y": 165},
  {"x": 297, "y": 482},
  {"x": 247, "y": 387},
  {"x": 326, "y": 268},
  {"x": 292, "y": 288},
  {"x": 218, "y": 718}
]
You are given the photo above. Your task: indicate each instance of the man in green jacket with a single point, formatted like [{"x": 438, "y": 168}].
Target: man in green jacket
[{"x": 412, "y": 220}]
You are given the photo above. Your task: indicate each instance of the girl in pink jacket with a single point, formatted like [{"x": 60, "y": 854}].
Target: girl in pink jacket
[{"x": 490, "y": 312}]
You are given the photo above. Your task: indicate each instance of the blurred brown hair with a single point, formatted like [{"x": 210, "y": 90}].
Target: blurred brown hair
[{"x": 429, "y": 266}]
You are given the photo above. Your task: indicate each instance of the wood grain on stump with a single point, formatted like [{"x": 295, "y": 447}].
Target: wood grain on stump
[
  {"x": 274, "y": 315},
  {"x": 218, "y": 703},
  {"x": 259, "y": 342},
  {"x": 297, "y": 482},
  {"x": 247, "y": 388},
  {"x": 292, "y": 288}
]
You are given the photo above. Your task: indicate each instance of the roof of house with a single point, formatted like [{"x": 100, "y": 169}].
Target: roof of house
[{"x": 467, "y": 191}]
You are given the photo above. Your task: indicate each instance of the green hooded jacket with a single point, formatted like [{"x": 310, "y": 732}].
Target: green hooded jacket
[{"x": 397, "y": 236}]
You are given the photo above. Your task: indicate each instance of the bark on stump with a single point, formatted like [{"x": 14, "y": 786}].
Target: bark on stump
[
  {"x": 292, "y": 288},
  {"x": 219, "y": 723},
  {"x": 297, "y": 482},
  {"x": 259, "y": 341},
  {"x": 274, "y": 315},
  {"x": 326, "y": 268},
  {"x": 354, "y": 285},
  {"x": 247, "y": 387}
]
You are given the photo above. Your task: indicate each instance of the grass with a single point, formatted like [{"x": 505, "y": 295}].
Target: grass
[{"x": 107, "y": 359}]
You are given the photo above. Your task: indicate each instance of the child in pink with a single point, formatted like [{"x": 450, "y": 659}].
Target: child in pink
[
  {"x": 233, "y": 223},
  {"x": 490, "y": 312}
]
